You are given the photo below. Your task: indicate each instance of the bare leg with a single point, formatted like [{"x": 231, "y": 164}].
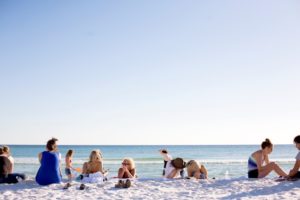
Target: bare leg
[
  {"x": 203, "y": 171},
  {"x": 70, "y": 177},
  {"x": 269, "y": 168},
  {"x": 121, "y": 173}
]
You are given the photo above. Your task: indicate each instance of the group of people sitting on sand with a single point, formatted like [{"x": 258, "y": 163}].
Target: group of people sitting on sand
[
  {"x": 91, "y": 171},
  {"x": 49, "y": 171},
  {"x": 259, "y": 165}
]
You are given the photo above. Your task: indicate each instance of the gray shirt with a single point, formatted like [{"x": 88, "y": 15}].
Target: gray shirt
[{"x": 298, "y": 156}]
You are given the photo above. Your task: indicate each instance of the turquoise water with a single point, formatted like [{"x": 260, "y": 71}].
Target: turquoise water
[{"x": 220, "y": 160}]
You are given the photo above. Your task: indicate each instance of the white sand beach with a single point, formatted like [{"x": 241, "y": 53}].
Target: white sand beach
[{"x": 237, "y": 188}]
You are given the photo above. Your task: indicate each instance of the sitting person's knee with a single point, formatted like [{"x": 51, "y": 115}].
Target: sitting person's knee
[{"x": 274, "y": 165}]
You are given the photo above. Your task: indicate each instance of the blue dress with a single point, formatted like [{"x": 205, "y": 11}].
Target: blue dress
[{"x": 49, "y": 170}]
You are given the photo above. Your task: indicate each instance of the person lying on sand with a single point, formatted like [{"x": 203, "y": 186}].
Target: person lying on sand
[
  {"x": 295, "y": 173},
  {"x": 196, "y": 170},
  {"x": 174, "y": 167},
  {"x": 256, "y": 167}
]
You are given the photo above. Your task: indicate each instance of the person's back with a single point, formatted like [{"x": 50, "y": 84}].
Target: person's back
[
  {"x": 5, "y": 175},
  {"x": 4, "y": 166},
  {"x": 48, "y": 172},
  {"x": 93, "y": 167}
]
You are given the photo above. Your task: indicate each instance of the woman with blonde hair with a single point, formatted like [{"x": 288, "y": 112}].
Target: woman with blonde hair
[
  {"x": 92, "y": 171},
  {"x": 127, "y": 170},
  {"x": 196, "y": 170},
  {"x": 94, "y": 164}
]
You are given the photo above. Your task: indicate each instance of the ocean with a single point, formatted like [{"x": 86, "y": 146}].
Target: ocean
[{"x": 221, "y": 161}]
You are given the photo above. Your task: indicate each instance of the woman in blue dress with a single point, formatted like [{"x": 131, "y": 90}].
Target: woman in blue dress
[{"x": 49, "y": 171}]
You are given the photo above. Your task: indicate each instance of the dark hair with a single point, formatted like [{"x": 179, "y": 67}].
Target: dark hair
[
  {"x": 69, "y": 153},
  {"x": 164, "y": 151},
  {"x": 297, "y": 139},
  {"x": 266, "y": 143},
  {"x": 1, "y": 150},
  {"x": 51, "y": 144},
  {"x": 178, "y": 163}
]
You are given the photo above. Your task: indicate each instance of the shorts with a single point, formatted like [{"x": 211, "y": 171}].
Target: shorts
[
  {"x": 253, "y": 173},
  {"x": 202, "y": 176},
  {"x": 297, "y": 175},
  {"x": 68, "y": 171}
]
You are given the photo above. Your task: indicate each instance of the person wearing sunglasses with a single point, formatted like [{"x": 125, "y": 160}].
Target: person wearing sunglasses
[{"x": 126, "y": 171}]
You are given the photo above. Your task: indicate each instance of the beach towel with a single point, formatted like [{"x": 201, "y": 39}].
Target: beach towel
[{"x": 94, "y": 178}]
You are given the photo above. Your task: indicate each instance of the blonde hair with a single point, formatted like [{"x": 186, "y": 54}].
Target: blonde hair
[
  {"x": 130, "y": 161},
  {"x": 95, "y": 156},
  {"x": 6, "y": 149},
  {"x": 192, "y": 167}
]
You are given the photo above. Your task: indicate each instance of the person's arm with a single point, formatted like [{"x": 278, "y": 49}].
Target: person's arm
[
  {"x": 8, "y": 167},
  {"x": 101, "y": 168},
  {"x": 172, "y": 173},
  {"x": 130, "y": 174},
  {"x": 40, "y": 157},
  {"x": 295, "y": 169},
  {"x": 204, "y": 171},
  {"x": 165, "y": 156},
  {"x": 84, "y": 168},
  {"x": 266, "y": 159},
  {"x": 59, "y": 168},
  {"x": 257, "y": 156}
]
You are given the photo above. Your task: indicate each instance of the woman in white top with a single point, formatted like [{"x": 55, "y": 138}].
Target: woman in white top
[{"x": 174, "y": 167}]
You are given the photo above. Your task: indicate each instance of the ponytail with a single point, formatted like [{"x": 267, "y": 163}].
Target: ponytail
[{"x": 266, "y": 143}]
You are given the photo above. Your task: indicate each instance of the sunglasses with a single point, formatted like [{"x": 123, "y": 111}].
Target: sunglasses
[{"x": 125, "y": 163}]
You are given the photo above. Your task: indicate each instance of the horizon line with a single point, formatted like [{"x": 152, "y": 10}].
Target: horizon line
[{"x": 141, "y": 144}]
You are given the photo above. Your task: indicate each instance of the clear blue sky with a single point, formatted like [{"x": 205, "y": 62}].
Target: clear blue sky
[{"x": 149, "y": 72}]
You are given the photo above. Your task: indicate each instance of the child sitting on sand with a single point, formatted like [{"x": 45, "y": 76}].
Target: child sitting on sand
[
  {"x": 196, "y": 170},
  {"x": 295, "y": 173}
]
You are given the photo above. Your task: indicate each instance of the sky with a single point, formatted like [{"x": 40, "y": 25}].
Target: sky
[{"x": 149, "y": 72}]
